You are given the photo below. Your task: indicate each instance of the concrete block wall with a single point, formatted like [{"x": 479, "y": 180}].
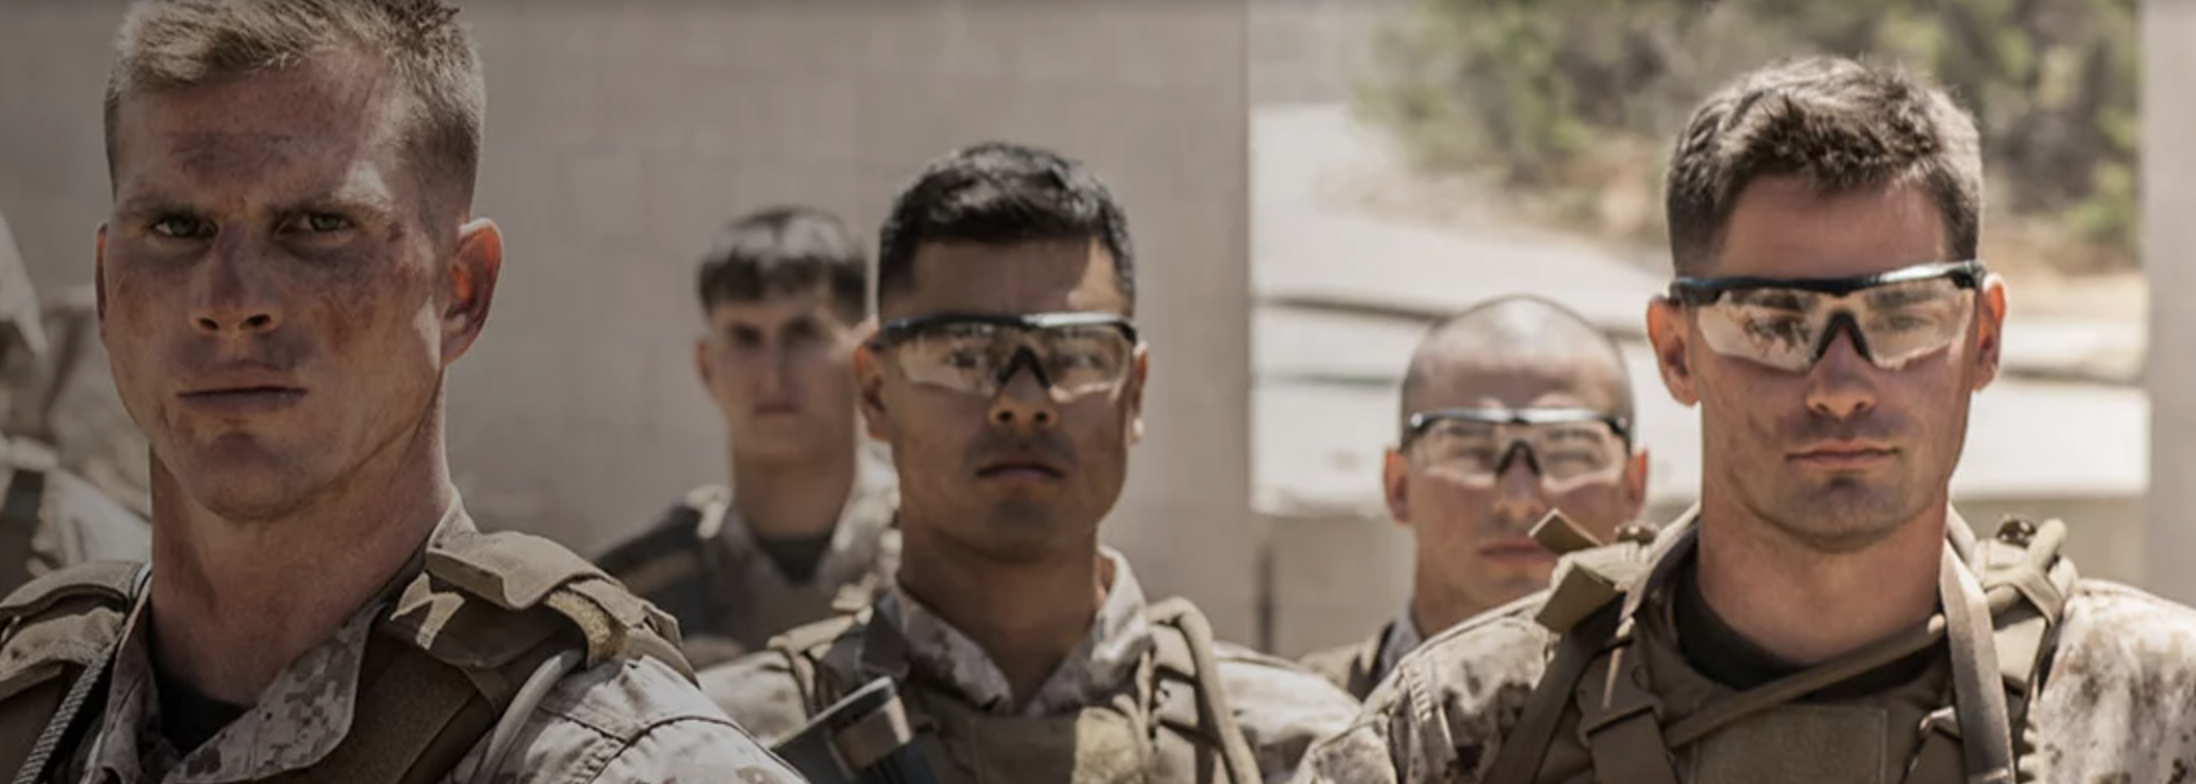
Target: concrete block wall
[{"x": 618, "y": 138}]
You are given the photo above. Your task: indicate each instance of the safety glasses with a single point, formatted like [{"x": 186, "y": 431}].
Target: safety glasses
[
  {"x": 1479, "y": 444},
  {"x": 1072, "y": 354},
  {"x": 1893, "y": 317}
]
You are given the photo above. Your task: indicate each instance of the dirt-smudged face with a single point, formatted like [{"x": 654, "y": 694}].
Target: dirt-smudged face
[{"x": 280, "y": 286}]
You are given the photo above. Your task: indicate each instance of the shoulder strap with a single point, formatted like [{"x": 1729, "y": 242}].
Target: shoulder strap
[
  {"x": 22, "y": 514},
  {"x": 73, "y": 633},
  {"x": 820, "y": 656},
  {"x": 1183, "y": 655},
  {"x": 667, "y": 565}
]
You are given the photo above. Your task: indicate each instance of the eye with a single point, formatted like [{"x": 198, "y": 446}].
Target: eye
[
  {"x": 181, "y": 227},
  {"x": 318, "y": 223}
]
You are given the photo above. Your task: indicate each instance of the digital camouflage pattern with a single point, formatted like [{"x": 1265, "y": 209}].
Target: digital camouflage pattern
[
  {"x": 1358, "y": 667},
  {"x": 701, "y": 564},
  {"x": 1281, "y": 709},
  {"x": 624, "y": 720},
  {"x": 2113, "y": 707}
]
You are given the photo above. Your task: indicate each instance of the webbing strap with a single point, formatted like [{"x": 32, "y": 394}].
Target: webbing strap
[
  {"x": 1622, "y": 719},
  {"x": 1518, "y": 759},
  {"x": 1978, "y": 687}
]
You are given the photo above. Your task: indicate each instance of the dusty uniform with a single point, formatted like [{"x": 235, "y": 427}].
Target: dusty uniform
[
  {"x": 1124, "y": 706},
  {"x": 1357, "y": 668},
  {"x": 2094, "y": 680},
  {"x": 702, "y": 564},
  {"x": 408, "y": 689}
]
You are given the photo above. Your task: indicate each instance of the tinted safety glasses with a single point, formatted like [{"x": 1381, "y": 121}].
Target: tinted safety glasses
[{"x": 1893, "y": 317}]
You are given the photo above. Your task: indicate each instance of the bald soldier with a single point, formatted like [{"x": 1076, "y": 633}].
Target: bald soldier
[
  {"x": 806, "y": 522},
  {"x": 51, "y": 515},
  {"x": 291, "y": 267},
  {"x": 1510, "y": 409}
]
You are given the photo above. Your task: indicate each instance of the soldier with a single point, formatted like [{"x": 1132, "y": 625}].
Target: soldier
[
  {"x": 1009, "y": 378},
  {"x": 1822, "y": 614},
  {"x": 290, "y": 269},
  {"x": 52, "y": 516},
  {"x": 1511, "y": 408},
  {"x": 784, "y": 292}
]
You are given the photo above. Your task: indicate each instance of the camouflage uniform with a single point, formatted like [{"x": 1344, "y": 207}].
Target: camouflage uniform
[
  {"x": 2107, "y": 701},
  {"x": 702, "y": 565},
  {"x": 52, "y": 516},
  {"x": 1360, "y": 666},
  {"x": 330, "y": 716},
  {"x": 1279, "y": 709}
]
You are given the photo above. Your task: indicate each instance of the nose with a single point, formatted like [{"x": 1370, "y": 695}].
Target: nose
[
  {"x": 233, "y": 295},
  {"x": 1024, "y": 402},
  {"x": 1518, "y": 493},
  {"x": 1841, "y": 385}
]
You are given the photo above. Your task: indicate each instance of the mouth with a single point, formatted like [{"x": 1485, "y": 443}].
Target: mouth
[
  {"x": 1843, "y": 455},
  {"x": 776, "y": 409},
  {"x": 242, "y": 400},
  {"x": 1021, "y": 469},
  {"x": 1516, "y": 549}
]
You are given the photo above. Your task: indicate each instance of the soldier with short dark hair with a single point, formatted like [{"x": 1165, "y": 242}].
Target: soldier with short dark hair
[
  {"x": 1823, "y": 614},
  {"x": 806, "y": 523},
  {"x": 1008, "y": 377},
  {"x": 291, "y": 268}
]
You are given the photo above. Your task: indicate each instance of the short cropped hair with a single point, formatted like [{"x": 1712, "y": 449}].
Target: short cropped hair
[
  {"x": 1841, "y": 126},
  {"x": 999, "y": 193},
  {"x": 786, "y": 250},
  {"x": 176, "y": 44}
]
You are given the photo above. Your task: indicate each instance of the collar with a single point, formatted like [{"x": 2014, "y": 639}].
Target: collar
[
  {"x": 1100, "y": 665},
  {"x": 1400, "y": 638}
]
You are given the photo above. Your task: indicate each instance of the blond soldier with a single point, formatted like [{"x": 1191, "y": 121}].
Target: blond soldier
[
  {"x": 1511, "y": 409},
  {"x": 290, "y": 269},
  {"x": 51, "y": 515},
  {"x": 784, "y": 292},
  {"x": 1008, "y": 377},
  {"x": 1823, "y": 615}
]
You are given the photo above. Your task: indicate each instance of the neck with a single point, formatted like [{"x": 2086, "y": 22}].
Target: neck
[
  {"x": 234, "y": 602},
  {"x": 1027, "y": 615},
  {"x": 1807, "y": 606},
  {"x": 1436, "y": 605},
  {"x": 786, "y": 499}
]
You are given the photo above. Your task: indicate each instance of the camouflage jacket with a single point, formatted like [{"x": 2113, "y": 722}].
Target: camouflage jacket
[
  {"x": 2113, "y": 705},
  {"x": 1361, "y": 665},
  {"x": 1279, "y": 708},
  {"x": 701, "y": 564},
  {"x": 623, "y": 720}
]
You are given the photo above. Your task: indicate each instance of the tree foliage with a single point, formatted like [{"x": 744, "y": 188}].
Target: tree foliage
[{"x": 1533, "y": 89}]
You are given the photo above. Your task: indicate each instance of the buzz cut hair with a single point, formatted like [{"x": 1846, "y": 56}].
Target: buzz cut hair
[
  {"x": 1839, "y": 125},
  {"x": 167, "y": 45}
]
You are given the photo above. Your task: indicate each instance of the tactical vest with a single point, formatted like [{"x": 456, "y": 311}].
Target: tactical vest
[
  {"x": 675, "y": 565},
  {"x": 490, "y": 620},
  {"x": 2002, "y": 598},
  {"x": 1173, "y": 725}
]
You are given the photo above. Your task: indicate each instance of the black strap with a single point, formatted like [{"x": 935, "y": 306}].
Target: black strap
[
  {"x": 19, "y": 523},
  {"x": 68, "y": 720}
]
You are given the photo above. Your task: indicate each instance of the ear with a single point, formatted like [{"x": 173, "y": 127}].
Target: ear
[
  {"x": 1989, "y": 329},
  {"x": 1136, "y": 394},
  {"x": 472, "y": 280},
  {"x": 99, "y": 277},
  {"x": 702, "y": 367},
  {"x": 869, "y": 379},
  {"x": 1666, "y": 331},
  {"x": 1395, "y": 485},
  {"x": 1635, "y": 485}
]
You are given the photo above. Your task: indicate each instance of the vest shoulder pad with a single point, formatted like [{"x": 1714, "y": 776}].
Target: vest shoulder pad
[
  {"x": 665, "y": 555},
  {"x": 1588, "y": 580},
  {"x": 821, "y": 656},
  {"x": 62, "y": 620},
  {"x": 486, "y": 599}
]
